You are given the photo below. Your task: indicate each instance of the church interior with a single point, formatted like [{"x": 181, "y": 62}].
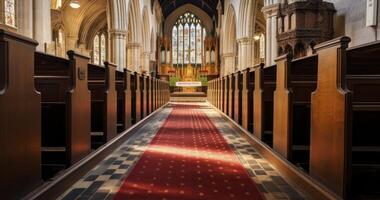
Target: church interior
[{"x": 189, "y": 99}]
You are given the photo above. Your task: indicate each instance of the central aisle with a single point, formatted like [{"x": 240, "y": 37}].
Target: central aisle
[
  {"x": 188, "y": 159},
  {"x": 185, "y": 151}
]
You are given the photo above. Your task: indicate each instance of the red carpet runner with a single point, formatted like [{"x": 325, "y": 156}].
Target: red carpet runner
[{"x": 188, "y": 159}]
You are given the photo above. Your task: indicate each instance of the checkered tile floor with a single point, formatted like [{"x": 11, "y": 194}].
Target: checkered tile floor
[{"x": 105, "y": 179}]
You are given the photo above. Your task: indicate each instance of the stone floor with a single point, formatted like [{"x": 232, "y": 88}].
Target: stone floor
[{"x": 105, "y": 179}]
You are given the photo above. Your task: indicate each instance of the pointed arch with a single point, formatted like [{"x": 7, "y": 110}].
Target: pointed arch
[
  {"x": 146, "y": 30},
  {"x": 134, "y": 22},
  {"x": 229, "y": 41}
]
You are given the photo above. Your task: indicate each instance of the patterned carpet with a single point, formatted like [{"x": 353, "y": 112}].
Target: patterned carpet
[
  {"x": 105, "y": 180},
  {"x": 188, "y": 159}
]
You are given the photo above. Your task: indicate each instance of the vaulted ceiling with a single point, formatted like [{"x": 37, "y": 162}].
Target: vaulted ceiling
[{"x": 168, "y": 6}]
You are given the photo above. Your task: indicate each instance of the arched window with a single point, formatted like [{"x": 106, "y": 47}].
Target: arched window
[
  {"x": 99, "y": 51},
  {"x": 192, "y": 44},
  {"x": 188, "y": 33},
  {"x": 102, "y": 49},
  {"x": 199, "y": 47},
  {"x": 10, "y": 12},
  {"x": 180, "y": 44},
  {"x": 186, "y": 45},
  {"x": 175, "y": 45},
  {"x": 96, "y": 50}
]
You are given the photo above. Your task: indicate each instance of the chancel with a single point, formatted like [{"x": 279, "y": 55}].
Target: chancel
[{"x": 189, "y": 99}]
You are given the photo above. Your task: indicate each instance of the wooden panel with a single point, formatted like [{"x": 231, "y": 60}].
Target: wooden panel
[
  {"x": 20, "y": 117},
  {"x": 258, "y": 125},
  {"x": 110, "y": 102},
  {"x": 245, "y": 99},
  {"x": 282, "y": 110},
  {"x": 225, "y": 97},
  {"x": 231, "y": 104},
  {"x": 330, "y": 127},
  {"x": 237, "y": 97},
  {"x": 79, "y": 108},
  {"x": 144, "y": 96},
  {"x": 127, "y": 98},
  {"x": 137, "y": 91}
]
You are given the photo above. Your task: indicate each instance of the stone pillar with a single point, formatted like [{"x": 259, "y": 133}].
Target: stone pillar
[
  {"x": 270, "y": 13},
  {"x": 229, "y": 63},
  {"x": 42, "y": 23},
  {"x": 133, "y": 57},
  {"x": 246, "y": 52},
  {"x": 145, "y": 61},
  {"x": 25, "y": 18},
  {"x": 71, "y": 42},
  {"x": 118, "y": 43}
]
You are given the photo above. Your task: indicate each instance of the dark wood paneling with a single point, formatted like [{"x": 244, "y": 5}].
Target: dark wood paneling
[
  {"x": 20, "y": 117},
  {"x": 329, "y": 154}
]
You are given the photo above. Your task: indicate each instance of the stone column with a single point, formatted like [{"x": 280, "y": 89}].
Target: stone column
[
  {"x": 42, "y": 23},
  {"x": 71, "y": 42},
  {"x": 133, "y": 57},
  {"x": 25, "y": 18},
  {"x": 246, "y": 52},
  {"x": 146, "y": 61},
  {"x": 118, "y": 43},
  {"x": 229, "y": 63},
  {"x": 270, "y": 13}
]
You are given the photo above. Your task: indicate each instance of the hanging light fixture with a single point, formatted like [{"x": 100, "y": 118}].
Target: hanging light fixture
[{"x": 74, "y": 4}]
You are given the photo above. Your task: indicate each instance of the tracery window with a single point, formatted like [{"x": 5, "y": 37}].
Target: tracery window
[
  {"x": 10, "y": 13},
  {"x": 99, "y": 52},
  {"x": 188, "y": 36}
]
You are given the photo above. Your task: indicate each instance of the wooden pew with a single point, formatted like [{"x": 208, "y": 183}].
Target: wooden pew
[
  {"x": 65, "y": 111},
  {"x": 137, "y": 103},
  {"x": 237, "y": 96},
  {"x": 330, "y": 126},
  {"x": 144, "y": 98},
  {"x": 231, "y": 102},
  {"x": 121, "y": 124},
  {"x": 296, "y": 80},
  {"x": 156, "y": 94},
  {"x": 101, "y": 82},
  {"x": 348, "y": 85},
  {"x": 363, "y": 80},
  {"x": 159, "y": 92},
  {"x": 225, "y": 95},
  {"x": 220, "y": 93},
  {"x": 247, "y": 99},
  {"x": 258, "y": 96},
  {"x": 213, "y": 95},
  {"x": 125, "y": 98},
  {"x": 268, "y": 86},
  {"x": 20, "y": 117},
  {"x": 151, "y": 95}
]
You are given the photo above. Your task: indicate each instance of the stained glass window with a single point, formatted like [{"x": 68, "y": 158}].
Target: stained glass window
[
  {"x": 180, "y": 44},
  {"x": 186, "y": 44},
  {"x": 175, "y": 45},
  {"x": 192, "y": 44},
  {"x": 188, "y": 36},
  {"x": 96, "y": 53},
  {"x": 102, "y": 49},
  {"x": 10, "y": 12},
  {"x": 199, "y": 44}
]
